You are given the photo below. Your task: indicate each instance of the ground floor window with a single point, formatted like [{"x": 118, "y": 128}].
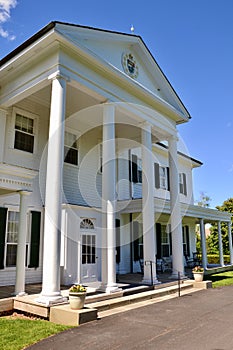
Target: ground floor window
[
  {"x": 12, "y": 238},
  {"x": 165, "y": 241}
]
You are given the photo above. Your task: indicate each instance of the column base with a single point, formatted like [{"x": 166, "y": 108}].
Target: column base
[
  {"x": 148, "y": 281},
  {"x": 174, "y": 276},
  {"x": 20, "y": 294},
  {"x": 49, "y": 300},
  {"x": 109, "y": 289}
]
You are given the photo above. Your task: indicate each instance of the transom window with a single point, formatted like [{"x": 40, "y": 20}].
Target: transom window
[
  {"x": 71, "y": 148},
  {"x": 24, "y": 133},
  {"x": 87, "y": 224}
]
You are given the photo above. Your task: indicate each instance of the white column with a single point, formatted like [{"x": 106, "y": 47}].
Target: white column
[
  {"x": 176, "y": 219},
  {"x": 230, "y": 242},
  {"x": 221, "y": 259},
  {"x": 21, "y": 245},
  {"x": 149, "y": 249},
  {"x": 52, "y": 224},
  {"x": 203, "y": 244},
  {"x": 108, "y": 200}
]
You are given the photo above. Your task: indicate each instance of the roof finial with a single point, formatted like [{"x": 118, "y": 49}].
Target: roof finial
[{"x": 132, "y": 29}]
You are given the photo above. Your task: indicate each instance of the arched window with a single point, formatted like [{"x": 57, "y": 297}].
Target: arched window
[{"x": 87, "y": 224}]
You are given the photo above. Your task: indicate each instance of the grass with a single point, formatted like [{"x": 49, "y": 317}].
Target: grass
[
  {"x": 221, "y": 279},
  {"x": 16, "y": 333}
]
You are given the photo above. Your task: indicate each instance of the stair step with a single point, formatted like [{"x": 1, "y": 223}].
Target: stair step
[{"x": 108, "y": 304}]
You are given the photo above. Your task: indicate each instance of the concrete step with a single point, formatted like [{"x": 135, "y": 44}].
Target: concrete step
[{"x": 156, "y": 292}]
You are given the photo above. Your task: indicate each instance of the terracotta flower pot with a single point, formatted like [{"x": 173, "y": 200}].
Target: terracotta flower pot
[{"x": 77, "y": 300}]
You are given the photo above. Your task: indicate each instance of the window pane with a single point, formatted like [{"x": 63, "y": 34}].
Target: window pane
[
  {"x": 11, "y": 255},
  {"x": 24, "y": 142}
]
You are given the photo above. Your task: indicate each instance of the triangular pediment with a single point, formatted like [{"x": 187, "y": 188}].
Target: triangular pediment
[{"x": 127, "y": 54}]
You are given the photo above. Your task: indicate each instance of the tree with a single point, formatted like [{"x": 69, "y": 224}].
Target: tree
[
  {"x": 212, "y": 240},
  {"x": 204, "y": 200}
]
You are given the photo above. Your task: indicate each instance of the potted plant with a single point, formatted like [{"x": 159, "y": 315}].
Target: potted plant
[
  {"x": 77, "y": 295},
  {"x": 198, "y": 273}
]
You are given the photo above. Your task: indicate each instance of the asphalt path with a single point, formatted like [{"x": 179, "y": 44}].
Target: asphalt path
[{"x": 196, "y": 321}]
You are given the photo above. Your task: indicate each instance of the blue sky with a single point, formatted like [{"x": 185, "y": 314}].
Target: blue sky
[{"x": 192, "y": 43}]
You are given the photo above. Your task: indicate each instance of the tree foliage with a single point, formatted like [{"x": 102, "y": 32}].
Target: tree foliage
[{"x": 212, "y": 240}]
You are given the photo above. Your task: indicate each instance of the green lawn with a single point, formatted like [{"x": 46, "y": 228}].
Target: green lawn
[
  {"x": 221, "y": 279},
  {"x": 16, "y": 334}
]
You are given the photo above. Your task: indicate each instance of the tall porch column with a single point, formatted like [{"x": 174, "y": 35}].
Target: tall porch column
[
  {"x": 203, "y": 244},
  {"x": 221, "y": 259},
  {"x": 176, "y": 219},
  {"x": 21, "y": 245},
  {"x": 149, "y": 249},
  {"x": 52, "y": 224},
  {"x": 108, "y": 201},
  {"x": 230, "y": 242}
]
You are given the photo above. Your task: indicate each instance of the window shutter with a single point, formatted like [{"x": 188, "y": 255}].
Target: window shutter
[
  {"x": 156, "y": 174},
  {"x": 168, "y": 179},
  {"x": 185, "y": 184},
  {"x": 35, "y": 239},
  {"x": 158, "y": 240},
  {"x": 134, "y": 168},
  {"x": 118, "y": 242},
  {"x": 3, "y": 215}
]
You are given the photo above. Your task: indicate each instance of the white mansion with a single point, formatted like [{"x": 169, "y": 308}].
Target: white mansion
[{"x": 91, "y": 182}]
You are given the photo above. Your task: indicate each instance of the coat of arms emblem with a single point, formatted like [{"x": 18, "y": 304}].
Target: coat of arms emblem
[{"x": 130, "y": 65}]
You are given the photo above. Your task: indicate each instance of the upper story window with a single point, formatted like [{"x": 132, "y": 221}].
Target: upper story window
[
  {"x": 24, "y": 133},
  {"x": 183, "y": 184},
  {"x": 71, "y": 148},
  {"x": 161, "y": 174}
]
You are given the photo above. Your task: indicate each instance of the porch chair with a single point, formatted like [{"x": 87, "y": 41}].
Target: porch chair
[{"x": 194, "y": 261}]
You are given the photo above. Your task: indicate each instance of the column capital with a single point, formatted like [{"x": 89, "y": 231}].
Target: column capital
[
  {"x": 58, "y": 75},
  {"x": 173, "y": 138},
  {"x": 24, "y": 192},
  {"x": 145, "y": 126}
]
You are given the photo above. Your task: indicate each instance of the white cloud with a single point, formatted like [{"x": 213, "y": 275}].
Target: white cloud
[{"x": 5, "y": 9}]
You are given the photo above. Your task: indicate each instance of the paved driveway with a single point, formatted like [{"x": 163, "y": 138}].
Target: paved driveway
[{"x": 198, "y": 321}]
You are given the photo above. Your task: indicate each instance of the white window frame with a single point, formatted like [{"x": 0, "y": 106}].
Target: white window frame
[
  {"x": 29, "y": 115},
  {"x": 10, "y": 210},
  {"x": 163, "y": 177},
  {"x": 165, "y": 230},
  {"x": 76, "y": 134}
]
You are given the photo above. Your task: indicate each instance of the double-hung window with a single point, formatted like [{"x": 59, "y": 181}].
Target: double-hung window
[
  {"x": 161, "y": 174},
  {"x": 24, "y": 133},
  {"x": 12, "y": 238},
  {"x": 182, "y": 184},
  {"x": 71, "y": 148}
]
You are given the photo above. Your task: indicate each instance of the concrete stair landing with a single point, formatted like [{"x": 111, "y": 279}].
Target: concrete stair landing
[{"x": 103, "y": 304}]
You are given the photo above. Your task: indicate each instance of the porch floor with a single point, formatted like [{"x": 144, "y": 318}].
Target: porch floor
[{"x": 124, "y": 282}]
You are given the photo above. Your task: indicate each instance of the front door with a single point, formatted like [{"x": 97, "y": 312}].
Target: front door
[{"x": 88, "y": 252}]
